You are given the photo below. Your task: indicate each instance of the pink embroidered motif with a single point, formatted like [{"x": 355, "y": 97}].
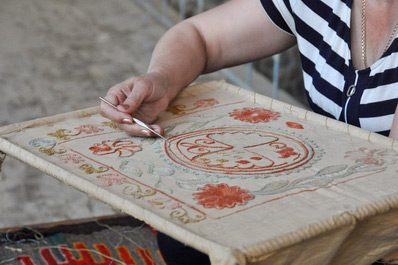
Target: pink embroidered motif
[
  {"x": 254, "y": 115},
  {"x": 111, "y": 179},
  {"x": 89, "y": 128},
  {"x": 203, "y": 103},
  {"x": 294, "y": 125},
  {"x": 73, "y": 158},
  {"x": 123, "y": 148},
  {"x": 376, "y": 157},
  {"x": 220, "y": 196}
]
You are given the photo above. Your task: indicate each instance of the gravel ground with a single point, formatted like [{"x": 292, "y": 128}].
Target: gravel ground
[{"x": 55, "y": 57}]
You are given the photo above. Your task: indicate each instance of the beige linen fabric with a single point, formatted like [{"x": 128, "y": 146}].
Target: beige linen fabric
[{"x": 244, "y": 178}]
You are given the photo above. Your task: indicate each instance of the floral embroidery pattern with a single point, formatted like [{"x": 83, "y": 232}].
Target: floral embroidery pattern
[
  {"x": 204, "y": 103},
  {"x": 180, "y": 214},
  {"x": 111, "y": 179},
  {"x": 89, "y": 128},
  {"x": 90, "y": 169},
  {"x": 254, "y": 115},
  {"x": 46, "y": 146},
  {"x": 220, "y": 196},
  {"x": 43, "y": 142},
  {"x": 294, "y": 125},
  {"x": 109, "y": 124},
  {"x": 373, "y": 157},
  {"x": 181, "y": 109},
  {"x": 286, "y": 152},
  {"x": 240, "y": 152},
  {"x": 72, "y": 158},
  {"x": 122, "y": 148},
  {"x": 63, "y": 134},
  {"x": 136, "y": 191},
  {"x": 324, "y": 177}
]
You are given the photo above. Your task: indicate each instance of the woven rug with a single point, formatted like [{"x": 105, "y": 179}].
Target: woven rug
[{"x": 109, "y": 240}]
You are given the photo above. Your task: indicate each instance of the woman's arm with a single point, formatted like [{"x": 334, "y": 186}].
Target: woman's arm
[
  {"x": 233, "y": 33},
  {"x": 236, "y": 32}
]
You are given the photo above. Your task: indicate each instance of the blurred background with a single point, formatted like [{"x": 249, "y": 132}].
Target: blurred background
[{"x": 59, "y": 56}]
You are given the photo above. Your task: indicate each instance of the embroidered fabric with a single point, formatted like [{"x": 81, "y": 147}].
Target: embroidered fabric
[{"x": 243, "y": 178}]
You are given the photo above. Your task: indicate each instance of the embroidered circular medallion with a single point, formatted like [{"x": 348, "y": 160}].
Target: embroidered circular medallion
[{"x": 239, "y": 152}]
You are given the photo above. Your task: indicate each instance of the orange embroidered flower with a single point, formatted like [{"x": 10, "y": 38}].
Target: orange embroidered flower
[
  {"x": 254, "y": 115},
  {"x": 220, "y": 196},
  {"x": 203, "y": 103},
  {"x": 286, "y": 152},
  {"x": 294, "y": 125},
  {"x": 123, "y": 148}
]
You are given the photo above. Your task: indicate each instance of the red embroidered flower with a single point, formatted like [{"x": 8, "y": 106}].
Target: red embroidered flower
[
  {"x": 286, "y": 152},
  {"x": 254, "y": 115},
  {"x": 111, "y": 179},
  {"x": 123, "y": 148},
  {"x": 220, "y": 196},
  {"x": 73, "y": 158},
  {"x": 375, "y": 157},
  {"x": 294, "y": 125},
  {"x": 203, "y": 103},
  {"x": 88, "y": 128}
]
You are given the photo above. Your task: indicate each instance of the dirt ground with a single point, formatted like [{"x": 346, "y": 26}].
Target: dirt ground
[{"x": 56, "y": 57}]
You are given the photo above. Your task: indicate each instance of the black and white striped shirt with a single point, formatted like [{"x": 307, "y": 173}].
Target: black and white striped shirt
[{"x": 322, "y": 29}]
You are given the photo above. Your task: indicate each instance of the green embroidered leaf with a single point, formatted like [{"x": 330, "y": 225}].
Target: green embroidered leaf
[
  {"x": 316, "y": 182},
  {"x": 331, "y": 170},
  {"x": 161, "y": 171},
  {"x": 197, "y": 125},
  {"x": 276, "y": 185},
  {"x": 131, "y": 169}
]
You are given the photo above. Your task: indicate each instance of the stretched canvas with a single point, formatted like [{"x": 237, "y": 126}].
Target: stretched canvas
[{"x": 241, "y": 177}]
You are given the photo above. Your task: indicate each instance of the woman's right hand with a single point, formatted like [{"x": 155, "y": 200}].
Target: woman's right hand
[{"x": 143, "y": 97}]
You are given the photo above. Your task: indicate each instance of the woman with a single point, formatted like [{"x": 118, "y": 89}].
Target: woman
[{"x": 348, "y": 48}]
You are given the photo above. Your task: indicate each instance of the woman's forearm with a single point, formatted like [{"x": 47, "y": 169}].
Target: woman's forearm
[
  {"x": 217, "y": 39},
  {"x": 180, "y": 55}
]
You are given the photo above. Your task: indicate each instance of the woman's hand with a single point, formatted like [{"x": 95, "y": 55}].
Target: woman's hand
[{"x": 144, "y": 97}]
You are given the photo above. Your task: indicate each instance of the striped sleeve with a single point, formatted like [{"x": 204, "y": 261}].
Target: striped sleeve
[{"x": 280, "y": 13}]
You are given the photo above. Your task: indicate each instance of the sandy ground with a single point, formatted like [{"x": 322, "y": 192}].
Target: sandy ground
[{"x": 55, "y": 57}]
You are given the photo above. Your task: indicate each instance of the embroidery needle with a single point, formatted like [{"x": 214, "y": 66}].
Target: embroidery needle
[{"x": 140, "y": 123}]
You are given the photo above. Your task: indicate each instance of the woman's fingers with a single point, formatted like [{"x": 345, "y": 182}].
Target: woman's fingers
[
  {"x": 110, "y": 112},
  {"x": 138, "y": 89},
  {"x": 143, "y": 97},
  {"x": 137, "y": 130}
]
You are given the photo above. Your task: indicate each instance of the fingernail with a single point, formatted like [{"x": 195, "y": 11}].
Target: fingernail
[
  {"x": 127, "y": 121},
  {"x": 146, "y": 132}
]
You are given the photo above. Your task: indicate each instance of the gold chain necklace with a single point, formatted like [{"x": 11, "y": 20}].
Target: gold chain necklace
[{"x": 363, "y": 35}]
